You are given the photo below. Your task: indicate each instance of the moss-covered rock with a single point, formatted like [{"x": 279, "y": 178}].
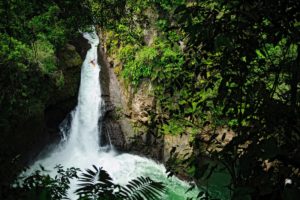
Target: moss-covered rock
[{"x": 69, "y": 57}]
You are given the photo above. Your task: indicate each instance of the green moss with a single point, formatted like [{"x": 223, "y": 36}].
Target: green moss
[
  {"x": 45, "y": 56},
  {"x": 69, "y": 57}
]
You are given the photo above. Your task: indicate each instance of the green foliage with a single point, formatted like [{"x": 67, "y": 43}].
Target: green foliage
[
  {"x": 59, "y": 79},
  {"x": 141, "y": 188},
  {"x": 172, "y": 127},
  {"x": 30, "y": 37},
  {"x": 107, "y": 13},
  {"x": 141, "y": 66},
  {"x": 222, "y": 63},
  {"x": 40, "y": 185},
  {"x": 44, "y": 56},
  {"x": 48, "y": 26},
  {"x": 97, "y": 184},
  {"x": 127, "y": 53},
  {"x": 16, "y": 93},
  {"x": 246, "y": 60},
  {"x": 14, "y": 51},
  {"x": 168, "y": 5},
  {"x": 231, "y": 64}
]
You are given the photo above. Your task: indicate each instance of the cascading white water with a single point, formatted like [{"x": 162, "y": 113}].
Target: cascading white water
[
  {"x": 84, "y": 133},
  {"x": 80, "y": 148}
]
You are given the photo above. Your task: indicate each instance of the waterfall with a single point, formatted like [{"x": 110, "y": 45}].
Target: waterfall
[
  {"x": 84, "y": 131},
  {"x": 81, "y": 138}
]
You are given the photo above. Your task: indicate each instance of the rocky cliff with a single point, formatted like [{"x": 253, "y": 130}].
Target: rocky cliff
[{"x": 128, "y": 121}]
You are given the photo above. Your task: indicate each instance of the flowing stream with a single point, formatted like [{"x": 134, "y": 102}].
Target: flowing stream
[{"x": 80, "y": 145}]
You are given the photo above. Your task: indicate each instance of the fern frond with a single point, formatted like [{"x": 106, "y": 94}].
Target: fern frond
[
  {"x": 95, "y": 182},
  {"x": 140, "y": 189}
]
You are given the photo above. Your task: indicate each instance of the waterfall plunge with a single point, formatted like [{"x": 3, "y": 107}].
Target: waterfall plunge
[{"x": 80, "y": 145}]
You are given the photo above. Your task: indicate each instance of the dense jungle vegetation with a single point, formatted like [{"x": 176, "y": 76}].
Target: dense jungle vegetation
[{"x": 212, "y": 63}]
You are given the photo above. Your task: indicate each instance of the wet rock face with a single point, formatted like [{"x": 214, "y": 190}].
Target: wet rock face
[
  {"x": 112, "y": 133},
  {"x": 126, "y": 122},
  {"x": 148, "y": 145},
  {"x": 111, "y": 129},
  {"x": 81, "y": 45},
  {"x": 222, "y": 136},
  {"x": 142, "y": 102},
  {"x": 181, "y": 143}
]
